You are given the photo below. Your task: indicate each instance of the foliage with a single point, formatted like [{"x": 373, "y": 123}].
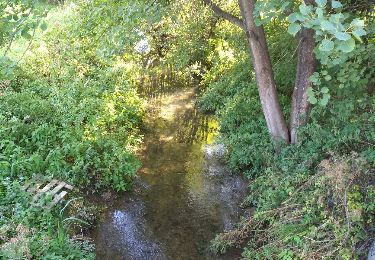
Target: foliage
[
  {"x": 32, "y": 232},
  {"x": 336, "y": 35},
  {"x": 328, "y": 215},
  {"x": 287, "y": 192},
  {"x": 69, "y": 109},
  {"x": 19, "y": 19},
  {"x": 75, "y": 121},
  {"x": 66, "y": 112}
]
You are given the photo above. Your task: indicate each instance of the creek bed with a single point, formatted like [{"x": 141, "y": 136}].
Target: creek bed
[{"x": 184, "y": 194}]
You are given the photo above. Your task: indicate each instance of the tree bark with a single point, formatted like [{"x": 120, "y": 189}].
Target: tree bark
[
  {"x": 306, "y": 66},
  {"x": 257, "y": 44}
]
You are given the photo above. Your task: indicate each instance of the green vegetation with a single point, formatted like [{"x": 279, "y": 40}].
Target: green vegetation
[
  {"x": 70, "y": 109},
  {"x": 65, "y": 113},
  {"x": 300, "y": 211},
  {"x": 302, "y": 200}
]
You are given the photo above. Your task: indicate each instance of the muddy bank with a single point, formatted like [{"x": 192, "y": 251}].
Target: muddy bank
[{"x": 184, "y": 194}]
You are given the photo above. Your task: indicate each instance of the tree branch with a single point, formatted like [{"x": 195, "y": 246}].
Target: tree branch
[{"x": 223, "y": 14}]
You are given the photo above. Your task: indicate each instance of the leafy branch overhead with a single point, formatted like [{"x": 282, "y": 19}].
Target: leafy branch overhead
[
  {"x": 335, "y": 35},
  {"x": 225, "y": 15}
]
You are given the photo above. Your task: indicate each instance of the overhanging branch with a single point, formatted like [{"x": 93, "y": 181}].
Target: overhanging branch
[{"x": 227, "y": 16}]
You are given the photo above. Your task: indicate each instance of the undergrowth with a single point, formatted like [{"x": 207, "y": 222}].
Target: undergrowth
[
  {"x": 65, "y": 113},
  {"x": 314, "y": 200}
]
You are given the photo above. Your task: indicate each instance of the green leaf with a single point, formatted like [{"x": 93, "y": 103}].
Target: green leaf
[
  {"x": 284, "y": 6},
  {"x": 337, "y": 18},
  {"x": 25, "y": 33},
  {"x": 321, "y": 3},
  {"x": 314, "y": 78},
  {"x": 346, "y": 46},
  {"x": 342, "y": 36},
  {"x": 327, "y": 26},
  {"x": 319, "y": 12},
  {"x": 328, "y": 77},
  {"x": 313, "y": 100},
  {"x": 294, "y": 28},
  {"x": 324, "y": 90},
  {"x": 336, "y": 4},
  {"x": 359, "y": 32},
  {"x": 304, "y": 9},
  {"x": 43, "y": 26},
  {"x": 357, "y": 23},
  {"x": 294, "y": 17},
  {"x": 324, "y": 101},
  {"x": 311, "y": 96},
  {"x": 326, "y": 45}
]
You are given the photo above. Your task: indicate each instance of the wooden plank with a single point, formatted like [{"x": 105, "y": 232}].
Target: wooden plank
[
  {"x": 57, "y": 188},
  {"x": 34, "y": 188},
  {"x": 69, "y": 187},
  {"x": 58, "y": 197},
  {"x": 45, "y": 189},
  {"x": 27, "y": 185},
  {"x": 57, "y": 192},
  {"x": 48, "y": 186}
]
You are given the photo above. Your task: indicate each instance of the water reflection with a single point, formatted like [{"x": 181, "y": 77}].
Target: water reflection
[
  {"x": 185, "y": 196},
  {"x": 158, "y": 83}
]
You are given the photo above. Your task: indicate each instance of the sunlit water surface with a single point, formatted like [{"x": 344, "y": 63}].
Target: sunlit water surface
[{"x": 184, "y": 194}]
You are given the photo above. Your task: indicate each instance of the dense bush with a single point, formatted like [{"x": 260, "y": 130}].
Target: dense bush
[
  {"x": 65, "y": 113},
  {"x": 76, "y": 120},
  {"x": 298, "y": 206}
]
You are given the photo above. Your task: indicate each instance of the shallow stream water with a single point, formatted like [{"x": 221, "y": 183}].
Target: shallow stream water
[{"x": 184, "y": 195}]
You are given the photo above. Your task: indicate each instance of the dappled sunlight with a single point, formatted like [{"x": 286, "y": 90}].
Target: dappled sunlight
[
  {"x": 188, "y": 129},
  {"x": 171, "y": 104},
  {"x": 180, "y": 198}
]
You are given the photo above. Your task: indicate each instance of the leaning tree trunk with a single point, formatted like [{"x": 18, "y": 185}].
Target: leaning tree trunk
[
  {"x": 305, "y": 68},
  {"x": 257, "y": 43}
]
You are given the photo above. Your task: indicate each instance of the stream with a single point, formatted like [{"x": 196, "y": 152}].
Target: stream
[{"x": 184, "y": 194}]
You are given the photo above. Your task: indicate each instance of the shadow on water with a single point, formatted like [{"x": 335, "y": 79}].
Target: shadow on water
[{"x": 184, "y": 194}]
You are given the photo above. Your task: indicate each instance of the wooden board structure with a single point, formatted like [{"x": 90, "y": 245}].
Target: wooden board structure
[{"x": 54, "y": 188}]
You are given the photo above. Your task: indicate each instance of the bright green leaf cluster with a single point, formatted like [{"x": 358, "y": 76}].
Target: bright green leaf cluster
[{"x": 333, "y": 32}]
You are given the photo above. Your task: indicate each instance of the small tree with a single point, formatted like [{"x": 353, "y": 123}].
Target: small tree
[{"x": 313, "y": 24}]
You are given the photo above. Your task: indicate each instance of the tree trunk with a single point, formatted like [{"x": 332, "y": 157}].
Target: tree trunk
[
  {"x": 305, "y": 68},
  {"x": 257, "y": 44}
]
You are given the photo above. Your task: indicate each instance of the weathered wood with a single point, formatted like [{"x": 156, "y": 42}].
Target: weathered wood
[
  {"x": 58, "y": 197},
  {"x": 57, "y": 188},
  {"x": 48, "y": 186},
  {"x": 44, "y": 190},
  {"x": 69, "y": 187},
  {"x": 54, "y": 188},
  {"x": 34, "y": 188},
  {"x": 27, "y": 185}
]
